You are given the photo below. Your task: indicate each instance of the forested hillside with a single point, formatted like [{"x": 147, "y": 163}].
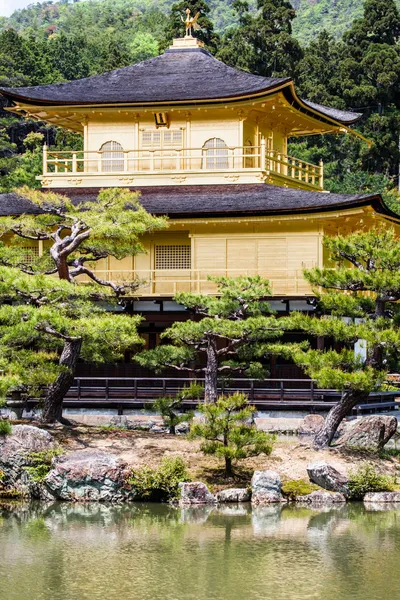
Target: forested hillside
[{"x": 53, "y": 42}]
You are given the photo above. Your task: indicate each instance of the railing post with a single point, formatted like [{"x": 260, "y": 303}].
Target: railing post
[
  {"x": 151, "y": 160},
  {"x": 321, "y": 174},
  {"x": 99, "y": 162},
  {"x": 263, "y": 164},
  {"x": 79, "y": 389},
  {"x": 312, "y": 391},
  {"x": 282, "y": 391},
  {"x": 135, "y": 390},
  {"x": 107, "y": 390},
  {"x": 125, "y": 162},
  {"x": 74, "y": 163},
  {"x": 45, "y": 148}
]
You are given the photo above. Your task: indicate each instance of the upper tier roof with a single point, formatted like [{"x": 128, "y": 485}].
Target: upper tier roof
[
  {"x": 185, "y": 76},
  {"x": 180, "y": 202}
]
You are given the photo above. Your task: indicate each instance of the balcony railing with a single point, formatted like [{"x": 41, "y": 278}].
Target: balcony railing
[
  {"x": 229, "y": 161},
  {"x": 167, "y": 282}
]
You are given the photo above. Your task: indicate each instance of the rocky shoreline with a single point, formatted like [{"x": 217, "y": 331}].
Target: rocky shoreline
[{"x": 98, "y": 476}]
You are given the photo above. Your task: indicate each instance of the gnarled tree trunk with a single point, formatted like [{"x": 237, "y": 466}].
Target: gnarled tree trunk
[
  {"x": 52, "y": 409},
  {"x": 349, "y": 400},
  {"x": 211, "y": 373}
]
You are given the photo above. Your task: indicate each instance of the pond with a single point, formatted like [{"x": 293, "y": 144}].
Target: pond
[{"x": 157, "y": 552}]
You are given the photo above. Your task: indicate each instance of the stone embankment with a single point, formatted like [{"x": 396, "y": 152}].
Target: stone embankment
[{"x": 98, "y": 476}]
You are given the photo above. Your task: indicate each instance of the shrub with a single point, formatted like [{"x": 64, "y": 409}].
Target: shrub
[
  {"x": 40, "y": 463},
  {"x": 366, "y": 480},
  {"x": 170, "y": 408},
  {"x": 298, "y": 487},
  {"x": 226, "y": 433},
  {"x": 5, "y": 427},
  {"x": 194, "y": 391},
  {"x": 161, "y": 484}
]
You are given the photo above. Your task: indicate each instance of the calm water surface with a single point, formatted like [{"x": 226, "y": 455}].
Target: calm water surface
[{"x": 153, "y": 552}]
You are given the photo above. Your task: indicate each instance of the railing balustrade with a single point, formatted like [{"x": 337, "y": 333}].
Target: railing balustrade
[
  {"x": 228, "y": 159},
  {"x": 167, "y": 282}
]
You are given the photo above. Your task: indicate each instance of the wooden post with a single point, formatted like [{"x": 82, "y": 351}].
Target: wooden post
[
  {"x": 263, "y": 154},
  {"x": 321, "y": 174},
  {"x": 282, "y": 391},
  {"x": 74, "y": 163},
  {"x": 107, "y": 390},
  {"x": 99, "y": 165},
  {"x": 45, "y": 148},
  {"x": 125, "y": 162}
]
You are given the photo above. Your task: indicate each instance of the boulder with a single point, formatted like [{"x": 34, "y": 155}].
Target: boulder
[
  {"x": 195, "y": 492},
  {"x": 266, "y": 488},
  {"x": 369, "y": 433},
  {"x": 14, "y": 457},
  {"x": 328, "y": 478},
  {"x": 321, "y": 498},
  {"x": 234, "y": 495},
  {"x": 93, "y": 476},
  {"x": 311, "y": 424},
  {"x": 382, "y": 497}
]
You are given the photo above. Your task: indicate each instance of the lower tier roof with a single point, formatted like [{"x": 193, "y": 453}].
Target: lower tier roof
[{"x": 181, "y": 202}]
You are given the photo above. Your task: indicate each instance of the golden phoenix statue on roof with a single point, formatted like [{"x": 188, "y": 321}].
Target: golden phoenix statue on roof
[{"x": 191, "y": 22}]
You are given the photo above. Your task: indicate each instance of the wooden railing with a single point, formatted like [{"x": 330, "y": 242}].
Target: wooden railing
[
  {"x": 182, "y": 160},
  {"x": 167, "y": 282},
  {"x": 294, "y": 168}
]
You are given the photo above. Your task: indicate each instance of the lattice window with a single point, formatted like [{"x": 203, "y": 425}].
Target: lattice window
[
  {"x": 28, "y": 256},
  {"x": 112, "y": 157},
  {"x": 173, "y": 257},
  {"x": 216, "y": 154},
  {"x": 159, "y": 139}
]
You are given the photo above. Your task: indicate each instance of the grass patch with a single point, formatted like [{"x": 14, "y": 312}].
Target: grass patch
[
  {"x": 5, "y": 427},
  {"x": 111, "y": 428},
  {"x": 40, "y": 463},
  {"x": 367, "y": 480},
  {"x": 161, "y": 484},
  {"x": 298, "y": 487},
  {"x": 388, "y": 453}
]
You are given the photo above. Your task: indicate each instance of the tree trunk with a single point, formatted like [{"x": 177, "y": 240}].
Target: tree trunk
[
  {"x": 52, "y": 409},
  {"x": 228, "y": 466},
  {"x": 336, "y": 415},
  {"x": 211, "y": 373}
]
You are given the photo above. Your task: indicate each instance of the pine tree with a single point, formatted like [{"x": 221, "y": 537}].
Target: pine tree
[
  {"x": 230, "y": 333},
  {"x": 74, "y": 238},
  {"x": 263, "y": 42},
  {"x": 358, "y": 302}
]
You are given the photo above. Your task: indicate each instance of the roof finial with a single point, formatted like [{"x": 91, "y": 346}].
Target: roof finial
[{"x": 190, "y": 23}]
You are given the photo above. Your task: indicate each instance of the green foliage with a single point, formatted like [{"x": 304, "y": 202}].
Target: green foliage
[
  {"x": 40, "y": 314},
  {"x": 365, "y": 480},
  {"x": 161, "y": 484},
  {"x": 298, "y": 487},
  {"x": 5, "y": 427},
  {"x": 238, "y": 316},
  {"x": 41, "y": 463},
  {"x": 194, "y": 391},
  {"x": 170, "y": 409},
  {"x": 227, "y": 434}
]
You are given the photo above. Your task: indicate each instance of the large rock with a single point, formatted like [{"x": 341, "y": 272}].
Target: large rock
[
  {"x": 266, "y": 488},
  {"x": 195, "y": 492},
  {"x": 93, "y": 476},
  {"x": 328, "y": 478},
  {"x": 321, "y": 498},
  {"x": 311, "y": 424},
  {"x": 369, "y": 433},
  {"x": 382, "y": 497},
  {"x": 15, "y": 450},
  {"x": 234, "y": 495}
]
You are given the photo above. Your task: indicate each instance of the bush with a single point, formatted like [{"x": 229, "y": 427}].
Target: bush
[
  {"x": 170, "y": 409},
  {"x": 227, "y": 434},
  {"x": 5, "y": 427},
  {"x": 40, "y": 463},
  {"x": 367, "y": 480},
  {"x": 298, "y": 487},
  {"x": 195, "y": 391},
  {"x": 162, "y": 484}
]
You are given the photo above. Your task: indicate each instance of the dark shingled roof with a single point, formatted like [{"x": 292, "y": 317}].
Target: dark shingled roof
[
  {"x": 186, "y": 75},
  {"x": 219, "y": 201}
]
